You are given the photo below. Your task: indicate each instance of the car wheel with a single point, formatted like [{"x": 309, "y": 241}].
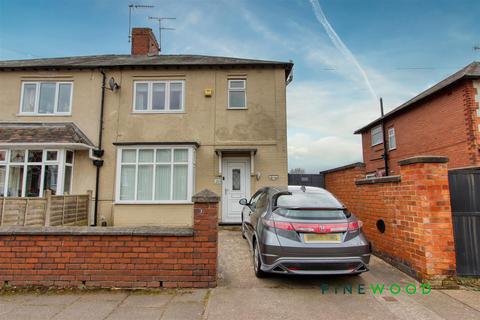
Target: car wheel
[
  {"x": 257, "y": 263},
  {"x": 243, "y": 229}
]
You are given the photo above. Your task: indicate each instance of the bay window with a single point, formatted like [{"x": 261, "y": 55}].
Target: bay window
[
  {"x": 46, "y": 98},
  {"x": 30, "y": 172},
  {"x": 155, "y": 174},
  {"x": 158, "y": 96}
]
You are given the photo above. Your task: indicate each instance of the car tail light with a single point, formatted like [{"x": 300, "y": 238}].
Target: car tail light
[
  {"x": 355, "y": 225},
  {"x": 307, "y": 227}
]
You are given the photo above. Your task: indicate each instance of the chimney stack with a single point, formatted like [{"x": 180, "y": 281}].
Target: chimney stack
[{"x": 144, "y": 42}]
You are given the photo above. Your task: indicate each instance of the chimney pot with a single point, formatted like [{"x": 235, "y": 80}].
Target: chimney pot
[{"x": 144, "y": 42}]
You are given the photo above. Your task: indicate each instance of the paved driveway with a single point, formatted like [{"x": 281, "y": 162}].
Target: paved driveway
[{"x": 242, "y": 296}]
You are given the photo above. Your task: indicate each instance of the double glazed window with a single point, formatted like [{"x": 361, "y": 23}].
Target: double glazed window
[
  {"x": 28, "y": 173},
  {"x": 377, "y": 135},
  {"x": 237, "y": 94},
  {"x": 46, "y": 98},
  {"x": 158, "y": 96},
  {"x": 155, "y": 175}
]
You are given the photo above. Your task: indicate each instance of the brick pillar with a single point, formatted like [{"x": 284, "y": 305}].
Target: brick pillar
[
  {"x": 426, "y": 180},
  {"x": 205, "y": 228}
]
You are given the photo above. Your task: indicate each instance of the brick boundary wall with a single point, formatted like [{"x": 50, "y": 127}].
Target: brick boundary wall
[
  {"x": 106, "y": 257},
  {"x": 415, "y": 208}
]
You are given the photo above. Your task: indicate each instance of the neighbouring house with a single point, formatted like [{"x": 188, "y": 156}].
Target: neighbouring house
[
  {"x": 443, "y": 120},
  {"x": 143, "y": 131}
]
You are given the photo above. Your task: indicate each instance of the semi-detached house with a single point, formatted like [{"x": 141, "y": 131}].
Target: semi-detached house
[{"x": 143, "y": 131}]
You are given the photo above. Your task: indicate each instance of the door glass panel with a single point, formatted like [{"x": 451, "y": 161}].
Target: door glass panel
[
  {"x": 15, "y": 181},
  {"x": 35, "y": 155},
  {"x": 50, "y": 179},
  {"x": 67, "y": 180},
  {"x": 32, "y": 188},
  {"x": 2, "y": 180},
  {"x": 47, "y": 98},
  {"x": 17, "y": 156},
  {"x": 236, "y": 179}
]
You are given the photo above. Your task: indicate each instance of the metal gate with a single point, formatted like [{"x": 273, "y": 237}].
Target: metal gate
[
  {"x": 465, "y": 201},
  {"x": 306, "y": 179}
]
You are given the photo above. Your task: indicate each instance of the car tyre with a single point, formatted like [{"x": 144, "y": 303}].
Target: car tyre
[
  {"x": 257, "y": 262},
  {"x": 243, "y": 229}
]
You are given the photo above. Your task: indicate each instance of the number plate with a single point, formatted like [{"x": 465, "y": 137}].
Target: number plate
[{"x": 322, "y": 238}]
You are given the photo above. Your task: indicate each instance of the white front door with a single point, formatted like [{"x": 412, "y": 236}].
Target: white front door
[{"x": 236, "y": 185}]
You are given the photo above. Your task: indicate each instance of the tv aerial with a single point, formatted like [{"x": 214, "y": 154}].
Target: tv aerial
[
  {"x": 160, "y": 28},
  {"x": 130, "y": 8}
]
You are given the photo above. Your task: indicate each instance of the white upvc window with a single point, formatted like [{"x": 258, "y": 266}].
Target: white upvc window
[
  {"x": 392, "y": 140},
  {"x": 158, "y": 96},
  {"x": 155, "y": 174},
  {"x": 377, "y": 135},
  {"x": 237, "y": 94},
  {"x": 46, "y": 98},
  {"x": 30, "y": 172}
]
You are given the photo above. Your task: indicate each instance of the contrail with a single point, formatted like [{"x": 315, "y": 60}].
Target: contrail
[{"x": 338, "y": 43}]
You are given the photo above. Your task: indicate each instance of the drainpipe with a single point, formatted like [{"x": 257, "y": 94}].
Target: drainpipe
[
  {"x": 385, "y": 148},
  {"x": 99, "y": 152}
]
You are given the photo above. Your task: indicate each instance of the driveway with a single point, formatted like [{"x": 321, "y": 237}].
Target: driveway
[{"x": 242, "y": 296}]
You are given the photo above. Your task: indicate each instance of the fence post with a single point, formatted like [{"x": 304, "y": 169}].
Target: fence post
[
  {"x": 48, "y": 206},
  {"x": 89, "y": 199}
]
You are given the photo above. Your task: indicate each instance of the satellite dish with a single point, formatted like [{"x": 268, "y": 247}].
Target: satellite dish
[{"x": 112, "y": 84}]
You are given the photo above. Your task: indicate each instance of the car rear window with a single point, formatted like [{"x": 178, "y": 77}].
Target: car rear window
[
  {"x": 308, "y": 200},
  {"x": 309, "y": 214}
]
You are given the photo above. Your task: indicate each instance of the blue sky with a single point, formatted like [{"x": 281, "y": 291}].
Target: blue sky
[{"x": 405, "y": 46}]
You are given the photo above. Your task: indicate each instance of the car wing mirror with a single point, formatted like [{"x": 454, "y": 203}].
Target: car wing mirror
[{"x": 243, "y": 202}]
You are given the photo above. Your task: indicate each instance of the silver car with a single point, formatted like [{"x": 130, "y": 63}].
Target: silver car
[{"x": 303, "y": 230}]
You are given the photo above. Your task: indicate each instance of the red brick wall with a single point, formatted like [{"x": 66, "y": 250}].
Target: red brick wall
[
  {"x": 416, "y": 211},
  {"x": 114, "y": 260},
  {"x": 445, "y": 125},
  {"x": 144, "y": 42}
]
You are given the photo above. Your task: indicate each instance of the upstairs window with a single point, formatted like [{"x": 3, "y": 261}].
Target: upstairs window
[
  {"x": 46, "y": 98},
  {"x": 377, "y": 135},
  {"x": 392, "y": 141},
  {"x": 158, "y": 96},
  {"x": 237, "y": 94}
]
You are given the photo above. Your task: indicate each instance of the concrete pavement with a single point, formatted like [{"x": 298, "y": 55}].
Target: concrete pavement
[{"x": 242, "y": 296}]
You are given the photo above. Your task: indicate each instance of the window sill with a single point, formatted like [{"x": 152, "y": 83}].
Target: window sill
[
  {"x": 43, "y": 115},
  {"x": 152, "y": 202},
  {"x": 393, "y": 149},
  {"x": 230, "y": 108},
  {"x": 377, "y": 144},
  {"x": 158, "y": 112}
]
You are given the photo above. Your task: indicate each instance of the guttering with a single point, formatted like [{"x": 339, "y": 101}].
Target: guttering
[{"x": 98, "y": 163}]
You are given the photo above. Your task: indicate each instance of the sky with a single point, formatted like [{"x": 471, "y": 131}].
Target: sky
[{"x": 402, "y": 46}]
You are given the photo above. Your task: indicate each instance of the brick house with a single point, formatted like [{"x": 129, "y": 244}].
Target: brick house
[
  {"x": 144, "y": 131},
  {"x": 443, "y": 120}
]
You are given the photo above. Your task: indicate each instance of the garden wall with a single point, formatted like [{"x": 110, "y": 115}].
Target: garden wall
[
  {"x": 114, "y": 256},
  {"x": 413, "y": 207}
]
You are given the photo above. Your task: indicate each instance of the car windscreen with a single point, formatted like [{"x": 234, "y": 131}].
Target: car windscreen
[
  {"x": 308, "y": 214},
  {"x": 308, "y": 200}
]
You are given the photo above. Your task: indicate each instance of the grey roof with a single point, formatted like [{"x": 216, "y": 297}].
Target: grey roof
[
  {"x": 470, "y": 71},
  {"x": 42, "y": 132},
  {"x": 116, "y": 61}
]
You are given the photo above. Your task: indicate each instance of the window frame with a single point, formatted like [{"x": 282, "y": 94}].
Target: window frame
[
  {"x": 372, "y": 144},
  {"x": 60, "y": 163},
  {"x": 150, "y": 84},
  {"x": 244, "y": 89},
  {"x": 191, "y": 162},
  {"x": 390, "y": 130},
  {"x": 37, "y": 99}
]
